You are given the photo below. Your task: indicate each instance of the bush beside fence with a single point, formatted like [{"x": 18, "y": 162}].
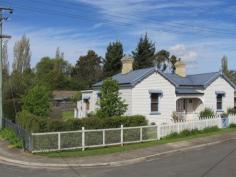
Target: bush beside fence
[
  {"x": 38, "y": 124},
  {"x": 56, "y": 141},
  {"x": 87, "y": 138}
]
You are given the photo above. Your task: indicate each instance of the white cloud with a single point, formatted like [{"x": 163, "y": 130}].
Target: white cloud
[
  {"x": 185, "y": 54},
  {"x": 123, "y": 11}
]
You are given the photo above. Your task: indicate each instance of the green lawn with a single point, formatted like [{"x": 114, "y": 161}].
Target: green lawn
[
  {"x": 114, "y": 149},
  {"x": 66, "y": 115}
]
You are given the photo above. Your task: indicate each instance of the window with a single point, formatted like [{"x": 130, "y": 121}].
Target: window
[
  {"x": 87, "y": 104},
  {"x": 155, "y": 102},
  {"x": 219, "y": 102},
  {"x": 234, "y": 102}
]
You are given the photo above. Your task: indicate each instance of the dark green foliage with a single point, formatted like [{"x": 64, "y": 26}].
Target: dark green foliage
[
  {"x": 144, "y": 53},
  {"x": 88, "y": 70},
  {"x": 224, "y": 115},
  {"x": 231, "y": 111},
  {"x": 232, "y": 126},
  {"x": 207, "y": 112},
  {"x": 37, "y": 101},
  {"x": 14, "y": 88},
  {"x": 112, "y": 63},
  {"x": 110, "y": 102},
  {"x": 34, "y": 123},
  {"x": 162, "y": 59},
  {"x": 54, "y": 73}
]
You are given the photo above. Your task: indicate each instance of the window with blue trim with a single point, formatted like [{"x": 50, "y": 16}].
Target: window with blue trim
[{"x": 155, "y": 98}]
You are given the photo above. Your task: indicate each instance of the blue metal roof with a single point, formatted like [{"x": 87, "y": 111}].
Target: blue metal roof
[{"x": 197, "y": 80}]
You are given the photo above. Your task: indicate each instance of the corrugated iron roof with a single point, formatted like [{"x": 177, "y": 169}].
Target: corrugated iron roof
[{"x": 197, "y": 80}]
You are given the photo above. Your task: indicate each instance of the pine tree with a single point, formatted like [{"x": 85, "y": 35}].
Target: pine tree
[
  {"x": 88, "y": 69},
  {"x": 144, "y": 53},
  {"x": 113, "y": 57}
]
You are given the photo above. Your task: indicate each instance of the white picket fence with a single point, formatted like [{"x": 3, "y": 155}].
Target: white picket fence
[{"x": 82, "y": 139}]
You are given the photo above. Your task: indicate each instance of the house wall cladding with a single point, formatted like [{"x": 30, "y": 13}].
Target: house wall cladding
[
  {"x": 141, "y": 98},
  {"x": 219, "y": 84}
]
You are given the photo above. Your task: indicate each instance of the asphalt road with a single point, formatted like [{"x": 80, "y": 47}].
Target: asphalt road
[{"x": 213, "y": 161}]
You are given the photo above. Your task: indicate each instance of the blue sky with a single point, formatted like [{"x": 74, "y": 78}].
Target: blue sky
[{"x": 198, "y": 31}]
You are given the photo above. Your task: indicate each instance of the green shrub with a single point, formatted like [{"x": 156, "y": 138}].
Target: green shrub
[
  {"x": 210, "y": 129},
  {"x": 224, "y": 115},
  {"x": 9, "y": 135},
  {"x": 231, "y": 111},
  {"x": 37, "y": 101},
  {"x": 207, "y": 112},
  {"x": 34, "y": 123},
  {"x": 185, "y": 133},
  {"x": 232, "y": 126}
]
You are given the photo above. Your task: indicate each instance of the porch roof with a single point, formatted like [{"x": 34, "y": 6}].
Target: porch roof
[{"x": 187, "y": 91}]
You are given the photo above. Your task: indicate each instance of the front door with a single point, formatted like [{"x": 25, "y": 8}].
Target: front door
[{"x": 189, "y": 105}]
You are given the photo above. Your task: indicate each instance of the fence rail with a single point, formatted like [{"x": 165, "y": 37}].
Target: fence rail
[
  {"x": 81, "y": 139},
  {"x": 56, "y": 141},
  {"x": 20, "y": 132}
]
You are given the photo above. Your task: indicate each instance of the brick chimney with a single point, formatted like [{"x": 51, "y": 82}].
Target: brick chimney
[
  {"x": 127, "y": 64},
  {"x": 180, "y": 69}
]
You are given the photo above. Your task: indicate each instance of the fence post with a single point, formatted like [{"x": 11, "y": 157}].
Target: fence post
[
  {"x": 141, "y": 134},
  {"x": 121, "y": 135},
  {"x": 83, "y": 139},
  {"x": 158, "y": 132},
  {"x": 103, "y": 137},
  {"x": 59, "y": 140}
]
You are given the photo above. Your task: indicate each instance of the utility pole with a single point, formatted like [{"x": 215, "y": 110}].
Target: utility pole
[{"x": 2, "y": 18}]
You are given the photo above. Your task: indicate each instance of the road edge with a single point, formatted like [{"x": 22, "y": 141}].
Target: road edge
[{"x": 27, "y": 164}]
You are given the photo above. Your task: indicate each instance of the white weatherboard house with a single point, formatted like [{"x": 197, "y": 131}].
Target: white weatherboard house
[{"x": 156, "y": 95}]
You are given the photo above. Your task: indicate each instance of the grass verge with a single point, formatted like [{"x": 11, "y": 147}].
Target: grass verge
[
  {"x": 67, "y": 115},
  {"x": 185, "y": 135},
  {"x": 9, "y": 135}
]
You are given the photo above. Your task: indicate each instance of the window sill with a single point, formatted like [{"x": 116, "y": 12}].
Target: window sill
[
  {"x": 155, "y": 113},
  {"x": 220, "y": 110}
]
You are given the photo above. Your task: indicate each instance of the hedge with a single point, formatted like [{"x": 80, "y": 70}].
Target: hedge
[{"x": 34, "y": 123}]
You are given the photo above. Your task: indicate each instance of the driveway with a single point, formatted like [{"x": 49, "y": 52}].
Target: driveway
[{"x": 212, "y": 161}]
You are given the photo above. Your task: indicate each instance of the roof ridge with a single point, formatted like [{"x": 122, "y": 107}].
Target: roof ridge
[{"x": 203, "y": 73}]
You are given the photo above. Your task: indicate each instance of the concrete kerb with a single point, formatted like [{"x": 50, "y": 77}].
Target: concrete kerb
[{"x": 106, "y": 164}]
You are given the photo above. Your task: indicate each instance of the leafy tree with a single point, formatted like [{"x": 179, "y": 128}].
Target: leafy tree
[
  {"x": 54, "y": 73},
  {"x": 173, "y": 60},
  {"x": 162, "y": 59},
  {"x": 88, "y": 70},
  {"x": 144, "y": 53},
  {"x": 111, "y": 103},
  {"x": 37, "y": 101},
  {"x": 113, "y": 57},
  {"x": 22, "y": 55},
  {"x": 165, "y": 61}
]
